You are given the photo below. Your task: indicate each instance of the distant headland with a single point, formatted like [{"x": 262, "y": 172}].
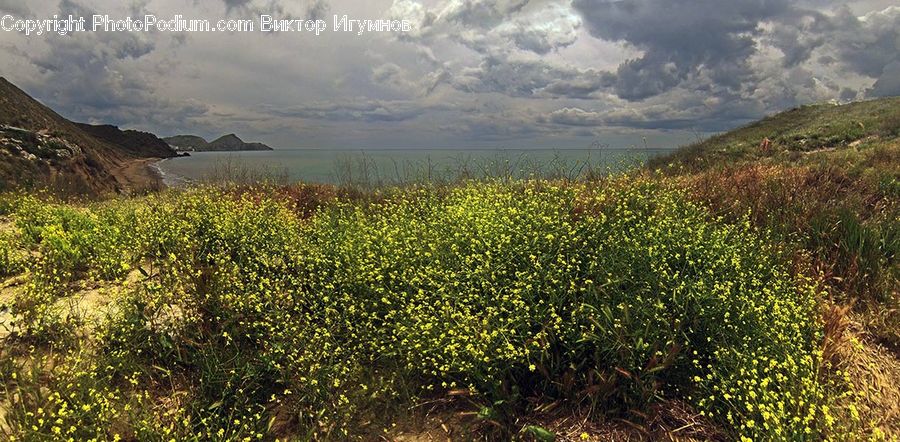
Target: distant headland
[{"x": 225, "y": 143}]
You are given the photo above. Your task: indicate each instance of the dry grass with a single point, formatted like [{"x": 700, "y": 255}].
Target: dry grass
[
  {"x": 836, "y": 339},
  {"x": 666, "y": 421},
  {"x": 841, "y": 229},
  {"x": 875, "y": 374}
]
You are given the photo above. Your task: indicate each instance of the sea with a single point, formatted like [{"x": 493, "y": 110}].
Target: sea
[{"x": 396, "y": 166}]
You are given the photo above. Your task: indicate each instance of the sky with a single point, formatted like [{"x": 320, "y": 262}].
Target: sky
[{"x": 469, "y": 73}]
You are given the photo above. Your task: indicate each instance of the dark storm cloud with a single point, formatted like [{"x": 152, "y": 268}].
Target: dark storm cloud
[
  {"x": 716, "y": 40},
  {"x": 869, "y": 46},
  {"x": 470, "y": 71},
  {"x": 866, "y": 45},
  {"x": 527, "y": 78},
  {"x": 889, "y": 83},
  {"x": 798, "y": 34},
  {"x": 680, "y": 38},
  {"x": 89, "y": 77}
]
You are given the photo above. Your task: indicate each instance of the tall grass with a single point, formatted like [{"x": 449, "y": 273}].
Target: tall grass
[
  {"x": 366, "y": 171},
  {"x": 231, "y": 170}
]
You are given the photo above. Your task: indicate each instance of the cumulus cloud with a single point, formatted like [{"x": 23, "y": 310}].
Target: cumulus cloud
[
  {"x": 529, "y": 78},
  {"x": 680, "y": 39},
  {"x": 865, "y": 44},
  {"x": 471, "y": 72},
  {"x": 95, "y": 77},
  {"x": 492, "y": 27},
  {"x": 543, "y": 30},
  {"x": 888, "y": 84}
]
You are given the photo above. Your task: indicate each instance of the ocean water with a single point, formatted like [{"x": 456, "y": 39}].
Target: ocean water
[{"x": 392, "y": 166}]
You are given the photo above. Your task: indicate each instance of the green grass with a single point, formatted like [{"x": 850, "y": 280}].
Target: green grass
[
  {"x": 12, "y": 259},
  {"x": 253, "y": 318},
  {"x": 794, "y": 133}
]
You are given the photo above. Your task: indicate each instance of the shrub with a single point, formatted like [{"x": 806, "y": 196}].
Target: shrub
[
  {"x": 613, "y": 297},
  {"x": 13, "y": 257}
]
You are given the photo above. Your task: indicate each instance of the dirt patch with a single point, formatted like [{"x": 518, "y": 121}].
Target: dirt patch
[
  {"x": 667, "y": 420},
  {"x": 8, "y": 288},
  {"x": 437, "y": 426},
  {"x": 88, "y": 304},
  {"x": 6, "y": 224},
  {"x": 93, "y": 300}
]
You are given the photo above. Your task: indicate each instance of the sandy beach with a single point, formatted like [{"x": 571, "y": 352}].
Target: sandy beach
[{"x": 139, "y": 176}]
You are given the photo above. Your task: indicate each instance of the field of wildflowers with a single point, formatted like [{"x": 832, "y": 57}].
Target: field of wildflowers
[{"x": 296, "y": 313}]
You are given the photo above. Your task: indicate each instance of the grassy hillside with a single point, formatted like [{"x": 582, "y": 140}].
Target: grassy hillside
[
  {"x": 801, "y": 135},
  {"x": 754, "y": 297}
]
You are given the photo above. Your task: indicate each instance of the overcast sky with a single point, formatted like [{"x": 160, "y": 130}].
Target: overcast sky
[{"x": 471, "y": 73}]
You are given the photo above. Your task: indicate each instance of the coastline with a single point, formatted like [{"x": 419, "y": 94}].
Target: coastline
[
  {"x": 168, "y": 180},
  {"x": 139, "y": 175},
  {"x": 157, "y": 171}
]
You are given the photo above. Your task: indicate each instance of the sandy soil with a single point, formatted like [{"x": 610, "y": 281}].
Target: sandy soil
[{"x": 138, "y": 176}]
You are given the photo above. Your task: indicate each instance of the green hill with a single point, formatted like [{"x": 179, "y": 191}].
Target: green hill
[
  {"x": 826, "y": 186},
  {"x": 797, "y": 135}
]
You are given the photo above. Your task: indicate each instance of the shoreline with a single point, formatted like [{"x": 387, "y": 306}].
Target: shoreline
[
  {"x": 153, "y": 168},
  {"x": 168, "y": 180},
  {"x": 157, "y": 171},
  {"x": 139, "y": 175}
]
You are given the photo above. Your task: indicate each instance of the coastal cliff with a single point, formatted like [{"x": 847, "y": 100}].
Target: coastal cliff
[{"x": 41, "y": 149}]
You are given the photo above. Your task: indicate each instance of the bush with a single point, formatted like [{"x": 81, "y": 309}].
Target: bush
[
  {"x": 12, "y": 256},
  {"x": 613, "y": 297}
]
